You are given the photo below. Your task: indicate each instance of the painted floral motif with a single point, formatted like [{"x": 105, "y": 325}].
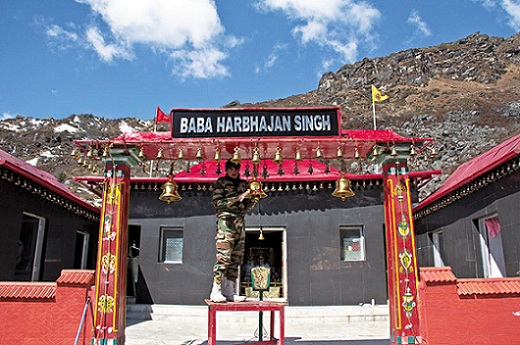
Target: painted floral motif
[
  {"x": 408, "y": 303},
  {"x": 406, "y": 261},
  {"x": 399, "y": 190},
  {"x": 106, "y": 304},
  {"x": 108, "y": 263},
  {"x": 108, "y": 234},
  {"x": 404, "y": 227}
]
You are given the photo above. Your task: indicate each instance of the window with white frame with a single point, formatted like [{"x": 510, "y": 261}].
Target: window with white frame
[
  {"x": 352, "y": 243},
  {"x": 438, "y": 248},
  {"x": 172, "y": 243}
]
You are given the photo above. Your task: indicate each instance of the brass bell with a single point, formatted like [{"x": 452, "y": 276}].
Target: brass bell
[
  {"x": 74, "y": 154},
  {"x": 141, "y": 153},
  {"x": 433, "y": 153},
  {"x": 298, "y": 156},
  {"x": 413, "y": 152},
  {"x": 199, "y": 155},
  {"x": 90, "y": 152},
  {"x": 319, "y": 154},
  {"x": 339, "y": 153},
  {"x": 236, "y": 156},
  {"x": 375, "y": 152},
  {"x": 356, "y": 153},
  {"x": 255, "y": 190},
  {"x": 256, "y": 156},
  {"x": 393, "y": 153},
  {"x": 261, "y": 237},
  {"x": 160, "y": 154},
  {"x": 343, "y": 189},
  {"x": 180, "y": 156},
  {"x": 170, "y": 192},
  {"x": 278, "y": 159},
  {"x": 106, "y": 152},
  {"x": 217, "y": 155}
]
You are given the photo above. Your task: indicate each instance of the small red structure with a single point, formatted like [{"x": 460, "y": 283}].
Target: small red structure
[
  {"x": 258, "y": 306},
  {"x": 45, "y": 313},
  {"x": 468, "y": 311}
]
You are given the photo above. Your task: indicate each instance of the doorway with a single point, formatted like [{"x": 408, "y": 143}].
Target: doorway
[
  {"x": 30, "y": 245},
  {"x": 265, "y": 246},
  {"x": 134, "y": 245},
  {"x": 491, "y": 247},
  {"x": 81, "y": 252}
]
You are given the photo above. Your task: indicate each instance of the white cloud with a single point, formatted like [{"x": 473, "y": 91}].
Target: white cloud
[
  {"x": 513, "y": 9},
  {"x": 487, "y": 3},
  {"x": 166, "y": 23},
  {"x": 273, "y": 56},
  {"x": 58, "y": 32},
  {"x": 107, "y": 52},
  {"x": 416, "y": 19},
  {"x": 60, "y": 38},
  {"x": 337, "y": 25},
  {"x": 200, "y": 64},
  {"x": 178, "y": 28}
]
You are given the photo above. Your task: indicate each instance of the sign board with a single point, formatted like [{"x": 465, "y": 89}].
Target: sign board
[{"x": 257, "y": 122}]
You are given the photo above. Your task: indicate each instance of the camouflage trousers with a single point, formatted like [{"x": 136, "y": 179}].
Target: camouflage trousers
[{"x": 230, "y": 241}]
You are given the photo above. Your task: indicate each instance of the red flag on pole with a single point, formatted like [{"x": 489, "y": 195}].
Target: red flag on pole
[{"x": 160, "y": 116}]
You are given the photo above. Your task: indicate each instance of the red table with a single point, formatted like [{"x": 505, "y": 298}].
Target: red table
[{"x": 247, "y": 306}]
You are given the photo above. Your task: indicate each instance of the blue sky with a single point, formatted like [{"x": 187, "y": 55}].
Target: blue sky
[{"x": 121, "y": 58}]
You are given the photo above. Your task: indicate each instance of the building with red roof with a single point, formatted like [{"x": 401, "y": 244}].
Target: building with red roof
[
  {"x": 45, "y": 227},
  {"x": 471, "y": 222}
]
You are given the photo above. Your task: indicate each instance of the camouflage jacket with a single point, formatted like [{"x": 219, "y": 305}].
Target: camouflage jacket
[{"x": 225, "y": 197}]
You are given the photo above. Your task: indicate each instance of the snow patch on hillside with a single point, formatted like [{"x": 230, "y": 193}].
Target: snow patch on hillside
[{"x": 65, "y": 127}]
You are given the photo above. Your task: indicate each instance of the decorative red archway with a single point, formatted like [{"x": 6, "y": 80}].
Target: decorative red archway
[{"x": 193, "y": 137}]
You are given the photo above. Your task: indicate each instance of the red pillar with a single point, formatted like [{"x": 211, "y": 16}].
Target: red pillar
[
  {"x": 110, "y": 292},
  {"x": 403, "y": 277}
]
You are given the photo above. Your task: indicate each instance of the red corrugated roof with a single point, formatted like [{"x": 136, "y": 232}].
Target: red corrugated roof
[
  {"x": 475, "y": 168},
  {"x": 27, "y": 290},
  {"x": 42, "y": 178},
  {"x": 489, "y": 286},
  {"x": 437, "y": 275},
  {"x": 76, "y": 277}
]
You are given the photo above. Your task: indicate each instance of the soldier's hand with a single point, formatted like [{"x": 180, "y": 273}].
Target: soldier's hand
[{"x": 245, "y": 195}]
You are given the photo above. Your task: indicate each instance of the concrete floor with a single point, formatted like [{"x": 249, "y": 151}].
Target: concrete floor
[{"x": 176, "y": 325}]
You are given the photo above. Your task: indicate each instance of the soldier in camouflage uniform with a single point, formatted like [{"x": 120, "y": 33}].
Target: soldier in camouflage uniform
[{"x": 231, "y": 201}]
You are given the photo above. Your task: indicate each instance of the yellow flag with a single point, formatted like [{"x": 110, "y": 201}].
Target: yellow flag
[{"x": 377, "y": 96}]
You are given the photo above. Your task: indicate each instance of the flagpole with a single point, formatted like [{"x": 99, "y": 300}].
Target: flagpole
[
  {"x": 374, "y": 112},
  {"x": 155, "y": 131}
]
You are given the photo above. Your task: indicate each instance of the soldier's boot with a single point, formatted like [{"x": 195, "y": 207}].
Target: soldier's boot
[
  {"x": 228, "y": 290},
  {"x": 216, "y": 294}
]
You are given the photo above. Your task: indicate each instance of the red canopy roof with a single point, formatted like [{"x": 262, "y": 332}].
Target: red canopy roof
[
  {"x": 350, "y": 141},
  {"x": 475, "y": 168}
]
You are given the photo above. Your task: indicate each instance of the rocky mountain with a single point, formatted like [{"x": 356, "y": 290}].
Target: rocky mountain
[{"x": 464, "y": 94}]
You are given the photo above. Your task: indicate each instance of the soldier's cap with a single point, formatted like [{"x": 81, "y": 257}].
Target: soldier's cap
[{"x": 232, "y": 165}]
